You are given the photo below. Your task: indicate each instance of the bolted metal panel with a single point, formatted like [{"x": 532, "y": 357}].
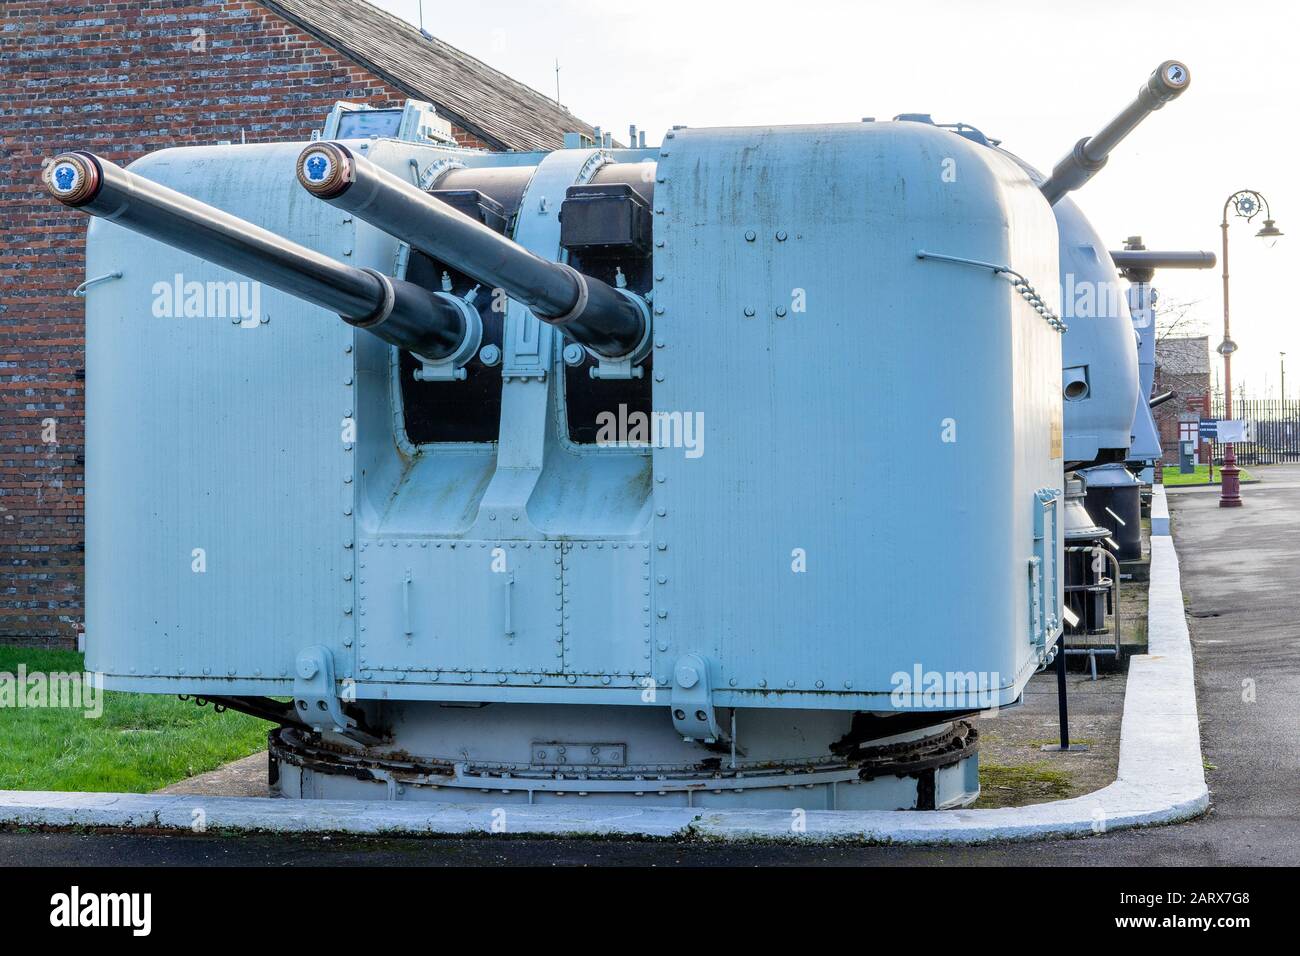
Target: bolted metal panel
[
  {"x": 607, "y": 620},
  {"x": 462, "y": 612},
  {"x": 217, "y": 514},
  {"x": 825, "y": 415}
]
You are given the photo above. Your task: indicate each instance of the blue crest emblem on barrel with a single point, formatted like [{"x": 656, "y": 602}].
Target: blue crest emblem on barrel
[
  {"x": 317, "y": 165},
  {"x": 65, "y": 176}
]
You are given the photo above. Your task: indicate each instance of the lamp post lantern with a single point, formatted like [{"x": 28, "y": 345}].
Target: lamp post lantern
[{"x": 1246, "y": 204}]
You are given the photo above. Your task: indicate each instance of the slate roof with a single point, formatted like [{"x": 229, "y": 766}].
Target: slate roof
[
  {"x": 479, "y": 99},
  {"x": 1184, "y": 355}
]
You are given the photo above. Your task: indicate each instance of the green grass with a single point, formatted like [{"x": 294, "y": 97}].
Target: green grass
[
  {"x": 1201, "y": 476},
  {"x": 1011, "y": 785},
  {"x": 140, "y": 743}
]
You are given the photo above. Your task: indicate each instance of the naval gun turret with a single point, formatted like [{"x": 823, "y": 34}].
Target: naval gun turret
[
  {"x": 1103, "y": 392},
  {"x": 1114, "y": 489},
  {"x": 1100, "y": 377},
  {"x": 537, "y": 582},
  {"x": 1138, "y": 264}
]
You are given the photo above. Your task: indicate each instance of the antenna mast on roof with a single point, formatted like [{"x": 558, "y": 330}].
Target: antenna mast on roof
[
  {"x": 423, "y": 32},
  {"x": 557, "y": 82}
]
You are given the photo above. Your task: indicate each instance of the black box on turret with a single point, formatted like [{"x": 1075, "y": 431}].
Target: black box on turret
[
  {"x": 475, "y": 205},
  {"x": 605, "y": 216}
]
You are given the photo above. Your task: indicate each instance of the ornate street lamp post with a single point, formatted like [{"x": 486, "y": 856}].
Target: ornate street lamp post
[{"x": 1245, "y": 203}]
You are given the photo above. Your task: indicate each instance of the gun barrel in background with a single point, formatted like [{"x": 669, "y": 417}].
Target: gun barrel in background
[
  {"x": 1170, "y": 79},
  {"x": 1154, "y": 259},
  {"x": 398, "y": 312},
  {"x": 591, "y": 312}
]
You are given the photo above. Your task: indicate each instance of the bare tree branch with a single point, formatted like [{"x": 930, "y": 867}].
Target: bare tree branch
[{"x": 1175, "y": 319}]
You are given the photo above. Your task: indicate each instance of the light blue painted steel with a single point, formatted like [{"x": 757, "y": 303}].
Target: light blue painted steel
[
  {"x": 461, "y": 614},
  {"x": 1146, "y": 438},
  {"x": 1114, "y": 475},
  {"x": 534, "y": 569},
  {"x": 1098, "y": 343},
  {"x": 215, "y": 513},
  {"x": 1094, "y": 305},
  {"x": 826, "y": 426}
]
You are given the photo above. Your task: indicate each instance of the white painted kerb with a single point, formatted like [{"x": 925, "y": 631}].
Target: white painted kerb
[
  {"x": 1161, "y": 780},
  {"x": 1159, "y": 511}
]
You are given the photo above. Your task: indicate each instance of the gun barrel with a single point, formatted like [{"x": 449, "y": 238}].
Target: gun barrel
[
  {"x": 1170, "y": 79},
  {"x": 1154, "y": 259},
  {"x": 399, "y": 312},
  {"x": 589, "y": 311}
]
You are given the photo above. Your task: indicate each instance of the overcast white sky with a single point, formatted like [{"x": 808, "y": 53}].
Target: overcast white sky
[{"x": 1032, "y": 74}]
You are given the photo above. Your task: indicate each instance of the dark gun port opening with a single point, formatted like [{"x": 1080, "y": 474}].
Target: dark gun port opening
[{"x": 462, "y": 223}]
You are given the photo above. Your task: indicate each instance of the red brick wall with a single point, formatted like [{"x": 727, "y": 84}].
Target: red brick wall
[
  {"x": 120, "y": 79},
  {"x": 1193, "y": 400}
]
